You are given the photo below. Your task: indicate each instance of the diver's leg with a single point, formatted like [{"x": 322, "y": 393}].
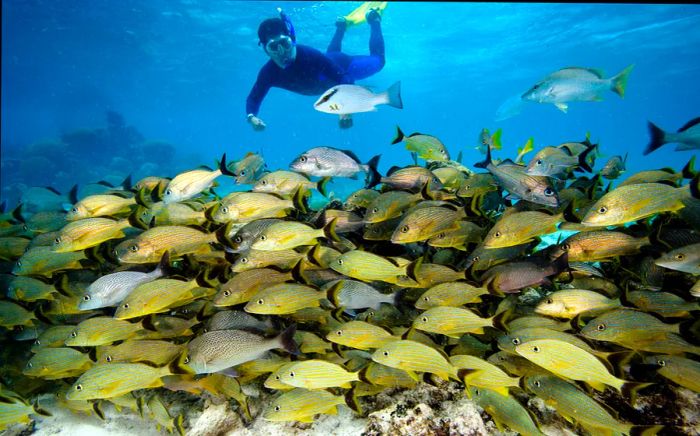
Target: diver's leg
[
  {"x": 337, "y": 41},
  {"x": 362, "y": 67}
]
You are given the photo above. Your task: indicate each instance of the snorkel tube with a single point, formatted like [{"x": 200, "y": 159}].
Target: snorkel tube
[{"x": 288, "y": 23}]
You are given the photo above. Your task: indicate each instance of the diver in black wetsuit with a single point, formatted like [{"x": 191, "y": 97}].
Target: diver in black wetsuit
[{"x": 305, "y": 70}]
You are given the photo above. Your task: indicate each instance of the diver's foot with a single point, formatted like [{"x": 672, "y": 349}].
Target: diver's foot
[
  {"x": 341, "y": 23},
  {"x": 345, "y": 121},
  {"x": 373, "y": 16}
]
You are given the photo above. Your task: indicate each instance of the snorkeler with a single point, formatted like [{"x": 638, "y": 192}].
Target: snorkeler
[{"x": 305, "y": 70}]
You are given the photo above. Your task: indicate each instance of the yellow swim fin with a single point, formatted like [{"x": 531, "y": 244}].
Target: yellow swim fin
[{"x": 358, "y": 15}]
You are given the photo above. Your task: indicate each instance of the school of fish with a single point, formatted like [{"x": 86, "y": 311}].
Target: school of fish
[{"x": 514, "y": 280}]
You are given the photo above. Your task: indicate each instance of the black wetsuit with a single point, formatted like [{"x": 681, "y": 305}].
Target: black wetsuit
[{"x": 313, "y": 72}]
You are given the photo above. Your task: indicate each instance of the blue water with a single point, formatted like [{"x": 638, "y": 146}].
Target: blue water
[{"x": 180, "y": 72}]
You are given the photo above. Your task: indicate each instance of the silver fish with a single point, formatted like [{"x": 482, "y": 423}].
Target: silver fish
[
  {"x": 350, "y": 99},
  {"x": 576, "y": 84},
  {"x": 332, "y": 162}
]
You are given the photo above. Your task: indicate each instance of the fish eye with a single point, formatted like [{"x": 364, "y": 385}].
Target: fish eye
[
  {"x": 134, "y": 248},
  {"x": 601, "y": 327},
  {"x": 549, "y": 301},
  {"x": 476, "y": 258},
  {"x": 339, "y": 333},
  {"x": 74, "y": 334},
  {"x": 243, "y": 174},
  {"x": 424, "y": 319},
  {"x": 86, "y": 298},
  {"x": 263, "y": 237},
  {"x": 126, "y": 306},
  {"x": 224, "y": 209},
  {"x": 57, "y": 240},
  {"x": 108, "y": 358},
  {"x": 291, "y": 374},
  {"x": 536, "y": 349},
  {"x": 426, "y": 298},
  {"x": 227, "y": 293},
  {"x": 37, "y": 342},
  {"x": 187, "y": 360},
  {"x": 566, "y": 247},
  {"x": 74, "y": 210},
  {"x": 261, "y": 301},
  {"x": 436, "y": 180},
  {"x": 680, "y": 256},
  {"x": 169, "y": 192},
  {"x": 538, "y": 162},
  {"x": 537, "y": 384},
  {"x": 404, "y": 229},
  {"x": 602, "y": 210},
  {"x": 78, "y": 387},
  {"x": 277, "y": 408},
  {"x": 340, "y": 261},
  {"x": 516, "y": 341},
  {"x": 548, "y": 192},
  {"x": 386, "y": 354},
  {"x": 497, "y": 234},
  {"x": 661, "y": 362},
  {"x": 277, "y": 377},
  {"x": 244, "y": 260},
  {"x": 375, "y": 210},
  {"x": 302, "y": 159},
  {"x": 238, "y": 239},
  {"x": 30, "y": 364}
]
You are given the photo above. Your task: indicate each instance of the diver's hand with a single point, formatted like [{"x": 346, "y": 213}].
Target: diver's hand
[
  {"x": 345, "y": 121},
  {"x": 256, "y": 122}
]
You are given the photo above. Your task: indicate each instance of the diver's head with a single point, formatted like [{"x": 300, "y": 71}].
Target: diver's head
[{"x": 277, "y": 41}]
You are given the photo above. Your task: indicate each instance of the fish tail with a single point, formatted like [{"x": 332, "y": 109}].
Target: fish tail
[
  {"x": 224, "y": 168},
  {"x": 485, "y": 163},
  {"x": 352, "y": 402},
  {"x": 583, "y": 156},
  {"x": 299, "y": 200},
  {"x": 287, "y": 340},
  {"x": 329, "y": 230},
  {"x": 321, "y": 186},
  {"x": 619, "y": 82},
  {"x": 393, "y": 95},
  {"x": 658, "y": 138},
  {"x": 97, "y": 408},
  {"x": 496, "y": 139},
  {"x": 688, "y": 171},
  {"x": 399, "y": 136},
  {"x": 630, "y": 389},
  {"x": 178, "y": 424},
  {"x": 373, "y": 176},
  {"x": 695, "y": 186}
]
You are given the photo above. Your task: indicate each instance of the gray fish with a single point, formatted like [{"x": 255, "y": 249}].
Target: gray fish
[
  {"x": 614, "y": 167},
  {"x": 514, "y": 179},
  {"x": 237, "y": 320},
  {"x": 245, "y": 236},
  {"x": 353, "y": 294},
  {"x": 555, "y": 161},
  {"x": 686, "y": 259},
  {"x": 332, "y": 162},
  {"x": 109, "y": 290},
  {"x": 576, "y": 84},
  {"x": 513, "y": 276},
  {"x": 221, "y": 349},
  {"x": 350, "y": 99},
  {"x": 687, "y": 137}
]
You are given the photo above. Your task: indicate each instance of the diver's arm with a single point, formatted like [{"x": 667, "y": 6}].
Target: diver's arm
[{"x": 254, "y": 100}]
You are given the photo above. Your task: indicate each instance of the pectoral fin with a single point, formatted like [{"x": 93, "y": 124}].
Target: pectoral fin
[{"x": 562, "y": 106}]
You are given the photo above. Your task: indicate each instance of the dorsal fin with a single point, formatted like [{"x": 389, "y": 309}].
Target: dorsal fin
[
  {"x": 689, "y": 124},
  {"x": 352, "y": 155}
]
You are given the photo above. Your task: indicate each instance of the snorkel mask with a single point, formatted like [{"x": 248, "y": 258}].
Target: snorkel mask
[{"x": 278, "y": 39}]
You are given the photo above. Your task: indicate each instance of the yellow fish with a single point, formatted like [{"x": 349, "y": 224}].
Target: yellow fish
[
  {"x": 301, "y": 405},
  {"x": 361, "y": 335},
  {"x": 113, "y": 380},
  {"x": 413, "y": 356},
  {"x": 283, "y": 298},
  {"x": 316, "y": 374},
  {"x": 88, "y": 232},
  {"x": 451, "y": 321}
]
